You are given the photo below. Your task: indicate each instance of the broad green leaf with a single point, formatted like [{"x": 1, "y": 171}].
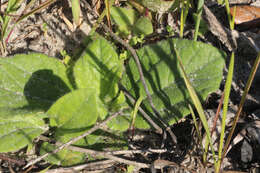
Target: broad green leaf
[
  {"x": 143, "y": 26},
  {"x": 29, "y": 84},
  {"x": 33, "y": 81},
  {"x": 202, "y": 63},
  {"x": 99, "y": 68},
  {"x": 124, "y": 18},
  {"x": 75, "y": 111},
  {"x": 72, "y": 114},
  {"x": 18, "y": 128}
]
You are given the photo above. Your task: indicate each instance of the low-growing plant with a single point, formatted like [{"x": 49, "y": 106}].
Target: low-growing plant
[{"x": 39, "y": 96}]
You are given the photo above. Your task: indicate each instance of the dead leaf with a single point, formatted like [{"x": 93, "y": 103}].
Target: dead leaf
[{"x": 245, "y": 13}]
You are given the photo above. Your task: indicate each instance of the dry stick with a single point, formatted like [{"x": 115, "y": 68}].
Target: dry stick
[
  {"x": 11, "y": 160},
  {"x": 73, "y": 140},
  {"x": 112, "y": 153},
  {"x": 217, "y": 114},
  {"x": 109, "y": 155},
  {"x": 133, "y": 52},
  {"x": 117, "y": 152},
  {"x": 99, "y": 165}
]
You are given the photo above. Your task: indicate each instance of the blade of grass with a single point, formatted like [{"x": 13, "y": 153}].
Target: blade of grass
[
  {"x": 108, "y": 13},
  {"x": 199, "y": 12},
  {"x": 40, "y": 7},
  {"x": 233, "y": 18},
  {"x": 133, "y": 115},
  {"x": 198, "y": 106},
  {"x": 229, "y": 15},
  {"x": 196, "y": 125},
  {"x": 75, "y": 5},
  {"x": 225, "y": 109},
  {"x": 11, "y": 7},
  {"x": 37, "y": 9},
  {"x": 184, "y": 13},
  {"x": 248, "y": 85},
  {"x": 182, "y": 21}
]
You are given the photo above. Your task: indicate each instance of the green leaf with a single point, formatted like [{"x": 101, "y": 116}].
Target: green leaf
[
  {"x": 202, "y": 63},
  {"x": 72, "y": 115},
  {"x": 120, "y": 123},
  {"x": 124, "y": 18},
  {"x": 143, "y": 26},
  {"x": 32, "y": 82},
  {"x": 18, "y": 128},
  {"x": 74, "y": 111},
  {"x": 29, "y": 84},
  {"x": 99, "y": 68}
]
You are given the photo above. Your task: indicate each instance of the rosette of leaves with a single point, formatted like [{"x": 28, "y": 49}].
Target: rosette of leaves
[{"x": 35, "y": 88}]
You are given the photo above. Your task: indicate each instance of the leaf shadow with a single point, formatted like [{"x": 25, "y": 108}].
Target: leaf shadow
[{"x": 42, "y": 89}]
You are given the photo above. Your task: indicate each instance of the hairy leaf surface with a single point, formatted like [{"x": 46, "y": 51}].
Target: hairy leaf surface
[
  {"x": 124, "y": 18},
  {"x": 18, "y": 128},
  {"x": 29, "y": 85},
  {"x": 33, "y": 81},
  {"x": 99, "y": 69},
  {"x": 203, "y": 65}
]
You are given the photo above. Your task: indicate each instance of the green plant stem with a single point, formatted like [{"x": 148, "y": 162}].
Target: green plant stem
[
  {"x": 196, "y": 125},
  {"x": 199, "y": 12},
  {"x": 225, "y": 109},
  {"x": 182, "y": 22},
  {"x": 248, "y": 85},
  {"x": 229, "y": 15},
  {"x": 184, "y": 13}
]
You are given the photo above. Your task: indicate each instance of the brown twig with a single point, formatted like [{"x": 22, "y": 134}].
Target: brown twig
[
  {"x": 118, "y": 152},
  {"x": 73, "y": 140},
  {"x": 217, "y": 114},
  {"x": 99, "y": 165},
  {"x": 111, "y": 155},
  {"x": 11, "y": 160}
]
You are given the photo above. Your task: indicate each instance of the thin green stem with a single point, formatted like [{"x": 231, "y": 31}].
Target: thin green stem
[
  {"x": 199, "y": 12},
  {"x": 225, "y": 109},
  {"x": 248, "y": 85}
]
